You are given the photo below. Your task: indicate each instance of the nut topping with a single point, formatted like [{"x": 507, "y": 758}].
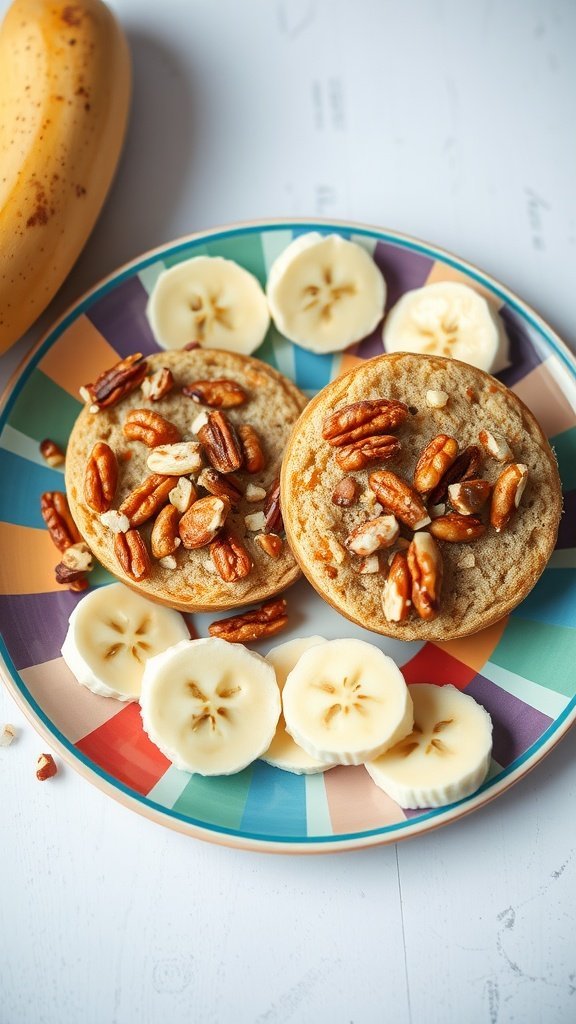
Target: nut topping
[
  {"x": 67, "y": 576},
  {"x": 175, "y": 459},
  {"x": 117, "y": 382},
  {"x": 437, "y": 457},
  {"x": 183, "y": 495},
  {"x": 396, "y": 595},
  {"x": 456, "y": 528},
  {"x": 254, "y": 458},
  {"x": 345, "y": 493},
  {"x": 133, "y": 558},
  {"x": 100, "y": 477},
  {"x": 254, "y": 493},
  {"x": 222, "y": 486},
  {"x": 158, "y": 385},
  {"x": 425, "y": 566},
  {"x": 8, "y": 734},
  {"x": 363, "y": 419},
  {"x": 46, "y": 767},
  {"x": 469, "y": 497},
  {"x": 221, "y": 443},
  {"x": 149, "y": 427},
  {"x": 273, "y": 510},
  {"x": 373, "y": 536},
  {"x": 271, "y": 543},
  {"x": 436, "y": 399},
  {"x": 51, "y": 452},
  {"x": 355, "y": 456},
  {"x": 496, "y": 445},
  {"x": 230, "y": 557},
  {"x": 164, "y": 539},
  {"x": 507, "y": 493},
  {"x": 265, "y": 621},
  {"x": 401, "y": 499},
  {"x": 56, "y": 514},
  {"x": 218, "y": 394},
  {"x": 203, "y": 520},
  {"x": 147, "y": 499},
  {"x": 368, "y": 565},
  {"x": 464, "y": 467},
  {"x": 115, "y": 521},
  {"x": 79, "y": 557}
]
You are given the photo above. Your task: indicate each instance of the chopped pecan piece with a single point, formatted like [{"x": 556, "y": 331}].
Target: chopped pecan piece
[
  {"x": 175, "y": 459},
  {"x": 273, "y": 509},
  {"x": 265, "y": 621},
  {"x": 77, "y": 560},
  {"x": 132, "y": 555},
  {"x": 150, "y": 427},
  {"x": 164, "y": 539},
  {"x": 456, "y": 528},
  {"x": 158, "y": 385},
  {"x": 425, "y": 565},
  {"x": 147, "y": 499},
  {"x": 507, "y": 493},
  {"x": 397, "y": 592},
  {"x": 363, "y": 419},
  {"x": 396, "y": 495},
  {"x": 222, "y": 486},
  {"x": 230, "y": 557},
  {"x": 496, "y": 445},
  {"x": 271, "y": 543},
  {"x": 345, "y": 493},
  {"x": 373, "y": 536},
  {"x": 46, "y": 767},
  {"x": 117, "y": 382},
  {"x": 221, "y": 443},
  {"x": 254, "y": 458},
  {"x": 464, "y": 467},
  {"x": 51, "y": 452},
  {"x": 100, "y": 477},
  {"x": 469, "y": 496},
  {"x": 203, "y": 520},
  {"x": 352, "y": 457},
  {"x": 218, "y": 394},
  {"x": 437, "y": 457},
  {"x": 65, "y": 575},
  {"x": 57, "y": 516}
]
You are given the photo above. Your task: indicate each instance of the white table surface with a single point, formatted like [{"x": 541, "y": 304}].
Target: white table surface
[{"x": 453, "y": 122}]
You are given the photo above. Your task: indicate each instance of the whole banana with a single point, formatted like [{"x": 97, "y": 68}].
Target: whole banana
[{"x": 65, "y": 84}]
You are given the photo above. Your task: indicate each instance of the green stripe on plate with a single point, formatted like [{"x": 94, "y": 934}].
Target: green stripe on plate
[
  {"x": 245, "y": 250},
  {"x": 493, "y": 770},
  {"x": 149, "y": 275},
  {"x": 186, "y": 254},
  {"x": 540, "y": 652},
  {"x": 565, "y": 447},
  {"x": 43, "y": 409},
  {"x": 219, "y": 800},
  {"x": 318, "y": 821},
  {"x": 169, "y": 788},
  {"x": 549, "y": 702},
  {"x": 19, "y": 444}
]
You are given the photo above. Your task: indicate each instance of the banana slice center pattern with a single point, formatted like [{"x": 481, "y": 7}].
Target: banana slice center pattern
[
  {"x": 211, "y": 712},
  {"x": 124, "y": 638},
  {"x": 325, "y": 296},
  {"x": 208, "y": 310},
  {"x": 348, "y": 697},
  {"x": 427, "y": 740}
]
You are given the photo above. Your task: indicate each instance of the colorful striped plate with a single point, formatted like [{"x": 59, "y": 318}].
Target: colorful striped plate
[{"x": 521, "y": 670}]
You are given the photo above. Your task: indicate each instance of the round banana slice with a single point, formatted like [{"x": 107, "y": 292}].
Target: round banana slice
[
  {"x": 344, "y": 699},
  {"x": 283, "y": 752},
  {"x": 210, "y": 300},
  {"x": 111, "y": 634},
  {"x": 210, "y": 706},
  {"x": 447, "y": 755},
  {"x": 325, "y": 293},
  {"x": 447, "y": 319}
]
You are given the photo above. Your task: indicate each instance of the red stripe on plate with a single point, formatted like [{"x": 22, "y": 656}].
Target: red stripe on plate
[
  {"x": 122, "y": 748},
  {"x": 432, "y": 665}
]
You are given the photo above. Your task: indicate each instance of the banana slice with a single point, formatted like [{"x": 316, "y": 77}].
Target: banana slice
[
  {"x": 345, "y": 699},
  {"x": 325, "y": 292},
  {"x": 447, "y": 755},
  {"x": 210, "y": 706},
  {"x": 210, "y": 300},
  {"x": 111, "y": 633},
  {"x": 283, "y": 752},
  {"x": 447, "y": 319}
]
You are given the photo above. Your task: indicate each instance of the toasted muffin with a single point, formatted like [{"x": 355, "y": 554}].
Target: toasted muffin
[
  {"x": 483, "y": 578},
  {"x": 194, "y": 583}
]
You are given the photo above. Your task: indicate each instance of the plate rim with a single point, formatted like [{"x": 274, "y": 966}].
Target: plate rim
[{"x": 220, "y": 835}]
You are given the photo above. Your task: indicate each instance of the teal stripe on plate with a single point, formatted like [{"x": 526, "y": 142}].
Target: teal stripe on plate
[
  {"x": 19, "y": 444},
  {"x": 313, "y": 371},
  {"x": 43, "y": 409},
  {"x": 187, "y": 253},
  {"x": 553, "y": 599},
  {"x": 20, "y": 498},
  {"x": 540, "y": 652},
  {"x": 245, "y": 250},
  {"x": 273, "y": 243},
  {"x": 548, "y": 702},
  {"x": 169, "y": 788},
  {"x": 276, "y": 802},
  {"x": 565, "y": 447},
  {"x": 317, "y": 812},
  {"x": 215, "y": 801}
]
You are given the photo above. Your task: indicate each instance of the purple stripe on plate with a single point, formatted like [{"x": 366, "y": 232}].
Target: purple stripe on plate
[
  {"x": 120, "y": 316},
  {"x": 34, "y": 625},
  {"x": 523, "y": 354},
  {"x": 403, "y": 270},
  {"x": 567, "y": 530},
  {"x": 516, "y": 725}
]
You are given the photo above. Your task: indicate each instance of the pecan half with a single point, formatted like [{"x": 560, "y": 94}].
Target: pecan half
[
  {"x": 203, "y": 520},
  {"x": 158, "y": 385},
  {"x": 397, "y": 592},
  {"x": 464, "y": 467},
  {"x": 373, "y": 535},
  {"x": 57, "y": 516},
  {"x": 396, "y": 495},
  {"x": 132, "y": 555},
  {"x": 345, "y": 493},
  {"x": 230, "y": 557},
  {"x": 100, "y": 477},
  {"x": 469, "y": 496},
  {"x": 164, "y": 538},
  {"x": 273, "y": 509},
  {"x": 363, "y": 419},
  {"x": 254, "y": 458},
  {"x": 265, "y": 621},
  {"x": 147, "y": 499},
  {"x": 221, "y": 443},
  {"x": 150, "y": 427},
  {"x": 456, "y": 528},
  {"x": 380, "y": 448},
  {"x": 51, "y": 452},
  {"x": 222, "y": 486},
  {"x": 115, "y": 383},
  {"x": 271, "y": 543},
  {"x": 438, "y": 455},
  {"x": 507, "y": 493},
  {"x": 218, "y": 394},
  {"x": 425, "y": 565}
]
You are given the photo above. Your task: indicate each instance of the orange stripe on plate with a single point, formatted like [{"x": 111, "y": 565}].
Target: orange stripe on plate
[
  {"x": 474, "y": 651},
  {"x": 79, "y": 356},
  {"x": 348, "y": 361},
  {"x": 355, "y": 803},
  {"x": 28, "y": 560},
  {"x": 74, "y": 710},
  {"x": 544, "y": 398},
  {"x": 442, "y": 272},
  {"x": 122, "y": 748}
]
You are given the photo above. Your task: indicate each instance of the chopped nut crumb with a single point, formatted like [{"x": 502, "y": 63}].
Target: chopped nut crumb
[
  {"x": 436, "y": 399},
  {"x": 115, "y": 521},
  {"x": 255, "y": 522},
  {"x": 46, "y": 767},
  {"x": 7, "y": 734},
  {"x": 254, "y": 493},
  {"x": 168, "y": 562},
  {"x": 51, "y": 452},
  {"x": 199, "y": 422}
]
